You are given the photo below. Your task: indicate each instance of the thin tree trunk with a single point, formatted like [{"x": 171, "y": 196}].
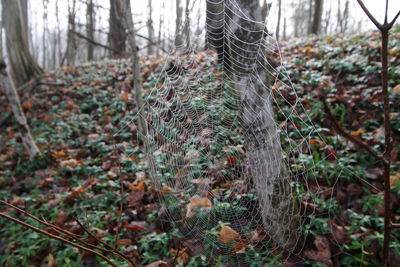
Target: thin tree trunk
[
  {"x": 150, "y": 29},
  {"x": 15, "y": 104},
  {"x": 178, "y": 24},
  {"x": 90, "y": 24},
  {"x": 128, "y": 24},
  {"x": 160, "y": 28},
  {"x": 23, "y": 66},
  {"x": 254, "y": 79},
  {"x": 279, "y": 19},
  {"x": 71, "y": 42},
  {"x": 117, "y": 34},
  {"x": 44, "y": 40},
  {"x": 317, "y": 17}
]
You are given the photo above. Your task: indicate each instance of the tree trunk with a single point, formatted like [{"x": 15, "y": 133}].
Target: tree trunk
[
  {"x": 90, "y": 28},
  {"x": 178, "y": 24},
  {"x": 15, "y": 20},
  {"x": 71, "y": 42},
  {"x": 278, "y": 25},
  {"x": 150, "y": 30},
  {"x": 117, "y": 34},
  {"x": 44, "y": 39},
  {"x": 254, "y": 78},
  {"x": 137, "y": 84},
  {"x": 15, "y": 104},
  {"x": 317, "y": 17}
]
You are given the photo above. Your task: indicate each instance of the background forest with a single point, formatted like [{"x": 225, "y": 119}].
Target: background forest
[{"x": 130, "y": 134}]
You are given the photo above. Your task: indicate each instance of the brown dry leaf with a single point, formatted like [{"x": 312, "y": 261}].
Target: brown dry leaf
[
  {"x": 182, "y": 255},
  {"x": 373, "y": 173},
  {"x": 17, "y": 201},
  {"x": 69, "y": 163},
  {"x": 136, "y": 226},
  {"x": 323, "y": 252},
  {"x": 137, "y": 187},
  {"x": 197, "y": 202},
  {"x": 157, "y": 264},
  {"x": 51, "y": 262},
  {"x": 59, "y": 154},
  {"x": 394, "y": 179},
  {"x": 75, "y": 192},
  {"x": 123, "y": 242},
  {"x": 396, "y": 89},
  {"x": 227, "y": 234}
]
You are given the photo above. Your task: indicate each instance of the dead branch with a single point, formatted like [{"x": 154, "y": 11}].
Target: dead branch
[
  {"x": 41, "y": 231},
  {"x": 342, "y": 131}
]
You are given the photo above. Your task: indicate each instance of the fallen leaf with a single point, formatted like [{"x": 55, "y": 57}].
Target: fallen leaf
[
  {"x": 197, "y": 202},
  {"x": 227, "y": 234},
  {"x": 51, "y": 262},
  {"x": 394, "y": 179},
  {"x": 358, "y": 132},
  {"x": 396, "y": 89},
  {"x": 322, "y": 253},
  {"x": 373, "y": 173},
  {"x": 123, "y": 242},
  {"x": 157, "y": 264},
  {"x": 69, "y": 163}
]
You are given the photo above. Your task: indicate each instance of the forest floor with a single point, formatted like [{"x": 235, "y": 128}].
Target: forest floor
[{"x": 85, "y": 129}]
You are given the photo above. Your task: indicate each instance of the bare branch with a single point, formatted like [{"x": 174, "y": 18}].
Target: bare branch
[
  {"x": 41, "y": 231},
  {"x": 94, "y": 42},
  {"x": 370, "y": 16},
  {"x": 342, "y": 131},
  {"x": 394, "y": 20}
]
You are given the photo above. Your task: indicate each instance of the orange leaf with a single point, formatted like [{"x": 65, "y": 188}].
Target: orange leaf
[
  {"x": 227, "y": 234},
  {"x": 138, "y": 187},
  {"x": 358, "y": 132},
  {"x": 27, "y": 104},
  {"x": 394, "y": 179}
]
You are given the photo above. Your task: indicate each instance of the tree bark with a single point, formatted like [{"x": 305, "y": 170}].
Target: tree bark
[
  {"x": 15, "y": 20},
  {"x": 254, "y": 77},
  {"x": 71, "y": 42},
  {"x": 150, "y": 30},
  {"x": 137, "y": 84},
  {"x": 15, "y": 104},
  {"x": 90, "y": 24},
  {"x": 178, "y": 24},
  {"x": 317, "y": 17},
  {"x": 117, "y": 34},
  {"x": 278, "y": 25}
]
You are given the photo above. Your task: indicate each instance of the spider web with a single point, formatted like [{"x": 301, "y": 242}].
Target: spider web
[{"x": 233, "y": 190}]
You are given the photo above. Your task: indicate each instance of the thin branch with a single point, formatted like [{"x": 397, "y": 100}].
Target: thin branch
[
  {"x": 394, "y": 19},
  {"x": 94, "y": 42},
  {"x": 54, "y": 227},
  {"x": 111, "y": 248},
  {"x": 371, "y": 17},
  {"x": 395, "y": 225},
  {"x": 57, "y": 238},
  {"x": 386, "y": 12},
  {"x": 342, "y": 131}
]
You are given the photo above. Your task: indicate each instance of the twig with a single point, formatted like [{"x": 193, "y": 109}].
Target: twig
[
  {"x": 57, "y": 238},
  {"x": 111, "y": 248},
  {"x": 342, "y": 131},
  {"x": 95, "y": 43},
  {"x": 370, "y": 16}
]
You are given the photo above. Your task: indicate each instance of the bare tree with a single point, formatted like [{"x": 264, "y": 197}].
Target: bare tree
[
  {"x": 90, "y": 25},
  {"x": 117, "y": 34},
  {"x": 15, "y": 20},
  {"x": 317, "y": 17}
]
